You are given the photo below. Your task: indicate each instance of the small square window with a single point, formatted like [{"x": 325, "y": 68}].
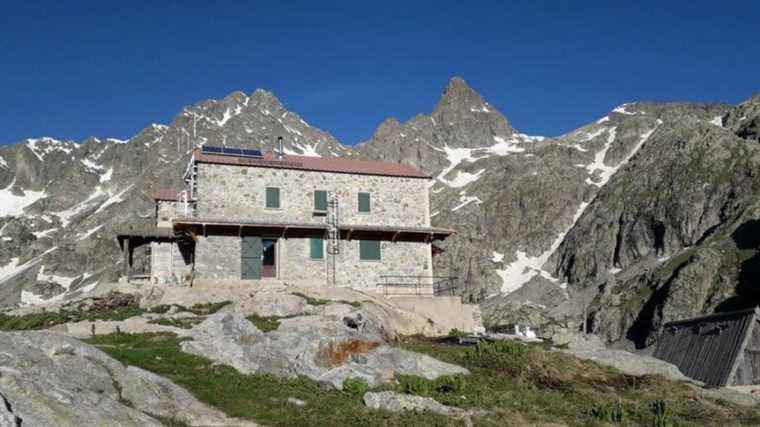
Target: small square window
[
  {"x": 317, "y": 248},
  {"x": 364, "y": 202},
  {"x": 369, "y": 250},
  {"x": 273, "y": 198}
]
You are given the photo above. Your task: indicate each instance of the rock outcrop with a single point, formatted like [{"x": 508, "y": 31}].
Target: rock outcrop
[
  {"x": 326, "y": 349},
  {"x": 47, "y": 379}
]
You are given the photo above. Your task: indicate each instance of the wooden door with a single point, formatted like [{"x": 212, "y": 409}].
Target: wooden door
[{"x": 250, "y": 258}]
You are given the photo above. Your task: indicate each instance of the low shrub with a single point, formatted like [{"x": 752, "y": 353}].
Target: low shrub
[
  {"x": 498, "y": 347},
  {"x": 265, "y": 324},
  {"x": 445, "y": 384},
  {"x": 662, "y": 414},
  {"x": 355, "y": 386},
  {"x": 609, "y": 413}
]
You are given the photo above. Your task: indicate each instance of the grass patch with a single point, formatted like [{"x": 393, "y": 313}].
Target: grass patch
[
  {"x": 321, "y": 301},
  {"x": 206, "y": 309},
  {"x": 180, "y": 322},
  {"x": 124, "y": 309},
  {"x": 548, "y": 387},
  {"x": 516, "y": 384},
  {"x": 312, "y": 300},
  {"x": 260, "y": 397},
  {"x": 265, "y": 324}
]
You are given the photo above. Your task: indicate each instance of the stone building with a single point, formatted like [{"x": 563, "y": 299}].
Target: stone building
[{"x": 297, "y": 219}]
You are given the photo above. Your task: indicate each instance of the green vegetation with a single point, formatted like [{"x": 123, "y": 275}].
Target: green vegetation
[
  {"x": 446, "y": 384},
  {"x": 265, "y": 324},
  {"x": 178, "y": 322},
  {"x": 47, "y": 319},
  {"x": 312, "y": 300},
  {"x": 528, "y": 384},
  {"x": 206, "y": 309},
  {"x": 456, "y": 333},
  {"x": 320, "y": 301},
  {"x": 515, "y": 384},
  {"x": 355, "y": 386},
  {"x": 262, "y": 398},
  {"x": 609, "y": 413}
]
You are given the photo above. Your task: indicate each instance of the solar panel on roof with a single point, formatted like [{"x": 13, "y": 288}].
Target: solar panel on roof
[
  {"x": 232, "y": 151},
  {"x": 211, "y": 149}
]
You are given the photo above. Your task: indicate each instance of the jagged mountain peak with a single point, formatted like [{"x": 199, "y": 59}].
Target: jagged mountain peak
[{"x": 459, "y": 95}]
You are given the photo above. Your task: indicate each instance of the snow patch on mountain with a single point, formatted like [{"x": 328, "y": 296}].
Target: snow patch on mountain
[
  {"x": 106, "y": 176},
  {"x": 456, "y": 156},
  {"x": 465, "y": 200},
  {"x": 621, "y": 109},
  {"x": 3, "y": 163},
  {"x": 13, "y": 269},
  {"x": 61, "y": 280},
  {"x": 463, "y": 178},
  {"x": 525, "y": 268},
  {"x": 606, "y": 172},
  {"x": 598, "y": 165},
  {"x": 66, "y": 215},
  {"x": 114, "y": 199},
  {"x": 89, "y": 232},
  {"x": 46, "y": 145},
  {"x": 717, "y": 121},
  {"x": 13, "y": 205}
]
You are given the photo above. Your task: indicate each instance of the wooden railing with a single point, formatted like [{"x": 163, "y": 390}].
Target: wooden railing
[{"x": 418, "y": 285}]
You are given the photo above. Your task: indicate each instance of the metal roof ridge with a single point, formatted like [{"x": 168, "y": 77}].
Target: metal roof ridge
[{"x": 714, "y": 316}]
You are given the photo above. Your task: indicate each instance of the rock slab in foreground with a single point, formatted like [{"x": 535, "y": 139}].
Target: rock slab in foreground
[
  {"x": 47, "y": 379},
  {"x": 633, "y": 364},
  {"x": 326, "y": 349},
  {"x": 397, "y": 402}
]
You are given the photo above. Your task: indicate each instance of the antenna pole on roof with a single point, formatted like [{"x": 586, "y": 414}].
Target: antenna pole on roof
[{"x": 280, "y": 154}]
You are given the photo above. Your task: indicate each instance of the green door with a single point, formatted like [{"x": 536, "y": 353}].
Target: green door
[{"x": 250, "y": 258}]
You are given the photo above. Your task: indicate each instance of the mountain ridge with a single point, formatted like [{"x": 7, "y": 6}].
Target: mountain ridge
[{"x": 519, "y": 202}]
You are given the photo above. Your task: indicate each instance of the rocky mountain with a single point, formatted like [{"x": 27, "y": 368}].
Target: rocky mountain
[
  {"x": 642, "y": 216},
  {"x": 61, "y": 201}
]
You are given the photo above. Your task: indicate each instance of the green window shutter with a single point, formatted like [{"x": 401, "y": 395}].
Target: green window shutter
[
  {"x": 364, "y": 205},
  {"x": 273, "y": 197},
  {"x": 317, "y": 248},
  {"x": 369, "y": 250},
  {"x": 320, "y": 200}
]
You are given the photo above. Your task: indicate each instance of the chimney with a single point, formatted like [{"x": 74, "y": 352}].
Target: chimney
[{"x": 280, "y": 152}]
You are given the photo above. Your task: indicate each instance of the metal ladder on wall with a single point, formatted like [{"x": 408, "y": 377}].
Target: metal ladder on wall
[{"x": 333, "y": 235}]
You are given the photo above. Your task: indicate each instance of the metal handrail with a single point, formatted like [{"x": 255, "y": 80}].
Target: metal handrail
[{"x": 414, "y": 285}]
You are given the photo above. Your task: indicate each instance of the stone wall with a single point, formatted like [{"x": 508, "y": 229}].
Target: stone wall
[
  {"x": 238, "y": 192},
  {"x": 165, "y": 211},
  {"x": 168, "y": 264},
  {"x": 218, "y": 257}
]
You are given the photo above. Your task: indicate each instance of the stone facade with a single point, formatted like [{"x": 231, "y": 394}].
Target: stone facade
[
  {"x": 218, "y": 257},
  {"x": 170, "y": 264},
  {"x": 238, "y": 192},
  {"x": 165, "y": 211}
]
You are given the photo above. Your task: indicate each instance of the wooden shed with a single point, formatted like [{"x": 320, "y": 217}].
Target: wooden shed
[{"x": 719, "y": 349}]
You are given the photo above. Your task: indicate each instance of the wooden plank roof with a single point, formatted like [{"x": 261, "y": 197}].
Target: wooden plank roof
[{"x": 707, "y": 348}]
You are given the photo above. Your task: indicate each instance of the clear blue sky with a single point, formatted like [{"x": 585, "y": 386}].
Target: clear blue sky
[{"x": 74, "y": 69}]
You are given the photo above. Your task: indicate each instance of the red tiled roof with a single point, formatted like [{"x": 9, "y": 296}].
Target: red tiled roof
[
  {"x": 322, "y": 164},
  {"x": 166, "y": 194}
]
